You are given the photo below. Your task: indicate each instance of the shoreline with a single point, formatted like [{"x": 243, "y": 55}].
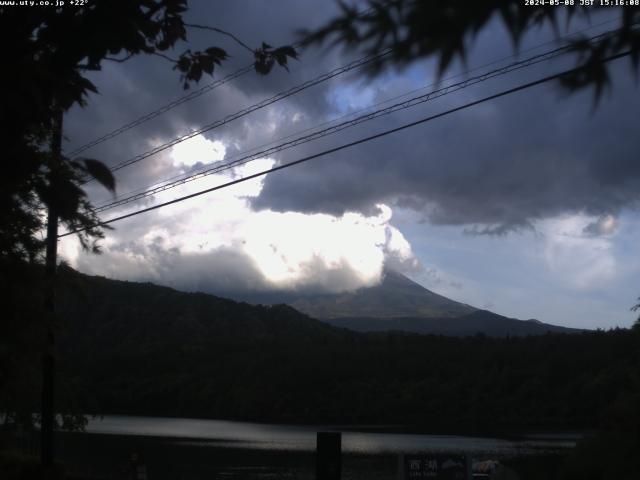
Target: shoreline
[{"x": 538, "y": 433}]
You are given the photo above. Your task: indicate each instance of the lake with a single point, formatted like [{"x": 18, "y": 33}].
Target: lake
[
  {"x": 223, "y": 433},
  {"x": 182, "y": 449}
]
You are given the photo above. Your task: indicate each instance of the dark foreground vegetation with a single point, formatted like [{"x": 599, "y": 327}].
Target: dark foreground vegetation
[
  {"x": 434, "y": 383},
  {"x": 142, "y": 349}
]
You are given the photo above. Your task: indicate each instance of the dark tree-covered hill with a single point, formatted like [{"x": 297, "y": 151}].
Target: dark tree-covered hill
[{"x": 142, "y": 349}]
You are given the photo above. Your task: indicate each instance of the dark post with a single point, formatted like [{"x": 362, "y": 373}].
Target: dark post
[
  {"x": 329, "y": 456},
  {"x": 48, "y": 359}
]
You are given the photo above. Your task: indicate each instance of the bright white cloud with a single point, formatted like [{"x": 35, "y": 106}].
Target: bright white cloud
[
  {"x": 289, "y": 247},
  {"x": 198, "y": 150},
  {"x": 190, "y": 244}
]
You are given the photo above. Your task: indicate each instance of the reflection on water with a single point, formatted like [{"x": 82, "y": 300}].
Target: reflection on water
[{"x": 254, "y": 436}]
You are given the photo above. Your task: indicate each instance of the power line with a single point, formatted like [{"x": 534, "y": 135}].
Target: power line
[
  {"x": 268, "y": 101},
  {"x": 201, "y": 91},
  {"x": 348, "y": 145},
  {"x": 165, "y": 108},
  {"x": 341, "y": 126},
  {"x": 180, "y": 179},
  {"x": 185, "y": 98}
]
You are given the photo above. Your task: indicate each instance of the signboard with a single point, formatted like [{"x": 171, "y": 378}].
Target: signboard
[{"x": 436, "y": 466}]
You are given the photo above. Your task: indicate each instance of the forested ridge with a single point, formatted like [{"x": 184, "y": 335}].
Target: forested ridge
[{"x": 142, "y": 349}]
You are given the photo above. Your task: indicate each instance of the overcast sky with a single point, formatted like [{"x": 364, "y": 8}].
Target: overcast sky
[{"x": 526, "y": 205}]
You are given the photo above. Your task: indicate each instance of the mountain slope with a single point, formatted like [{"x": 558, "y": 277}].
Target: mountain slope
[
  {"x": 480, "y": 321},
  {"x": 396, "y": 296},
  {"x": 400, "y": 304}
]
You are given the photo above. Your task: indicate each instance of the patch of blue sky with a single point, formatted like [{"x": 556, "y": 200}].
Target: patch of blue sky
[{"x": 513, "y": 275}]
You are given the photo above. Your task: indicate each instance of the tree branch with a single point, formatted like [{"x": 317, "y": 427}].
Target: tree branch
[
  {"x": 119, "y": 60},
  {"x": 217, "y": 30},
  {"x": 166, "y": 57}
]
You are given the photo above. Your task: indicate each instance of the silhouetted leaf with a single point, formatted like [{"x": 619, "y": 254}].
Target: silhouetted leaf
[
  {"x": 68, "y": 200},
  {"x": 266, "y": 57},
  {"x": 217, "y": 53},
  {"x": 101, "y": 173},
  {"x": 206, "y": 63},
  {"x": 183, "y": 64},
  {"x": 287, "y": 51},
  {"x": 419, "y": 29}
]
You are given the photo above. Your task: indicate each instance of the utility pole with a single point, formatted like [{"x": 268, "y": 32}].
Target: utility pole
[{"x": 47, "y": 418}]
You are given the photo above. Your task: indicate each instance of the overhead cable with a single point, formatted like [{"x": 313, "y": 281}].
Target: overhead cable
[{"x": 344, "y": 146}]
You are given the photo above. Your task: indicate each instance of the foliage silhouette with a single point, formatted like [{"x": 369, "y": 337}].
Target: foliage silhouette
[
  {"x": 142, "y": 349},
  {"x": 49, "y": 51},
  {"x": 416, "y": 29}
]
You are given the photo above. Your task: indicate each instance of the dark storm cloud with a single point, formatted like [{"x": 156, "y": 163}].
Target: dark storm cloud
[
  {"x": 132, "y": 89},
  {"x": 492, "y": 168},
  {"x": 496, "y": 167}
]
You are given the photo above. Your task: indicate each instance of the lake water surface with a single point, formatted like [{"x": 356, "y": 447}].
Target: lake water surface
[
  {"x": 196, "y": 449},
  {"x": 221, "y": 433}
]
